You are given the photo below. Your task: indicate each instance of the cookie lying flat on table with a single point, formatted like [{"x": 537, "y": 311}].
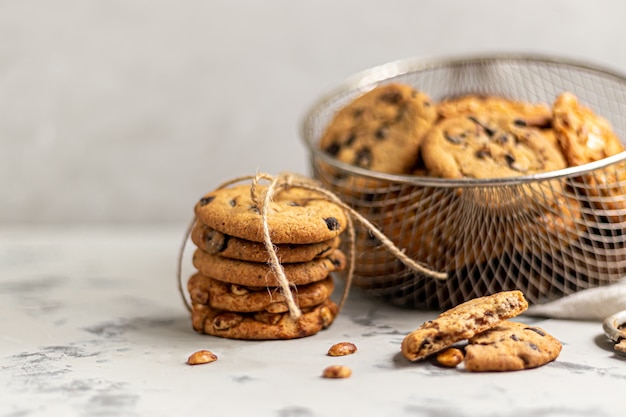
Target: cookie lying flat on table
[
  {"x": 238, "y": 298},
  {"x": 258, "y": 274},
  {"x": 217, "y": 243},
  {"x": 462, "y": 322},
  {"x": 511, "y": 346},
  {"x": 380, "y": 130},
  {"x": 295, "y": 215},
  {"x": 263, "y": 325}
]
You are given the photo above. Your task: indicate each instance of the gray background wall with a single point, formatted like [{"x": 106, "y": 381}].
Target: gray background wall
[{"x": 129, "y": 110}]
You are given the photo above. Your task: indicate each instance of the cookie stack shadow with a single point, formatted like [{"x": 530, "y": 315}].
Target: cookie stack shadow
[{"x": 235, "y": 293}]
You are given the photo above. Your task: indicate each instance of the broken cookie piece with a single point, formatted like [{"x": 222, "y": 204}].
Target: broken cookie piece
[{"x": 462, "y": 322}]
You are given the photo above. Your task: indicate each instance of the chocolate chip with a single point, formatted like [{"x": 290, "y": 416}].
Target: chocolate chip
[
  {"x": 206, "y": 200},
  {"x": 356, "y": 113},
  {"x": 391, "y": 97},
  {"x": 294, "y": 204},
  {"x": 536, "y": 330},
  {"x": 503, "y": 138},
  {"x": 382, "y": 132},
  {"x": 483, "y": 153},
  {"x": 336, "y": 262},
  {"x": 215, "y": 241},
  {"x": 424, "y": 343},
  {"x": 524, "y": 359},
  {"x": 363, "y": 158},
  {"x": 520, "y": 122},
  {"x": 233, "y": 202},
  {"x": 514, "y": 337},
  {"x": 332, "y": 223},
  {"x": 489, "y": 131},
  {"x": 456, "y": 140},
  {"x": 533, "y": 346},
  {"x": 333, "y": 149},
  {"x": 510, "y": 160},
  {"x": 254, "y": 209}
]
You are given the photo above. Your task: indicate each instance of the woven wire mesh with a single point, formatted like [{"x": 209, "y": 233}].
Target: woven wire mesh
[{"x": 547, "y": 235}]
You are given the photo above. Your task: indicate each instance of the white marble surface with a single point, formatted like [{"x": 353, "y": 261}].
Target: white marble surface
[
  {"x": 92, "y": 325},
  {"x": 129, "y": 110}
]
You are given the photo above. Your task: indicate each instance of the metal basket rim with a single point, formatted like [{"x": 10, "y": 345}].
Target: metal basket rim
[{"x": 399, "y": 67}]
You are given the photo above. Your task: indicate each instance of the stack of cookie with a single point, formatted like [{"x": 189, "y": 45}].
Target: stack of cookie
[{"x": 235, "y": 292}]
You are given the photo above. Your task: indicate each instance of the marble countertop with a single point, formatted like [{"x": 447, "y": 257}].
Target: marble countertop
[{"x": 92, "y": 324}]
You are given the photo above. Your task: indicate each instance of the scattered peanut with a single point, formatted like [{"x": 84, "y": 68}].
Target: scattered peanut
[
  {"x": 450, "y": 357},
  {"x": 621, "y": 346},
  {"x": 201, "y": 357},
  {"x": 337, "y": 371},
  {"x": 342, "y": 349}
]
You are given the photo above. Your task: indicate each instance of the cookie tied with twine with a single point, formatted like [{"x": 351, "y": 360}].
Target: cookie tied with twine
[{"x": 267, "y": 219}]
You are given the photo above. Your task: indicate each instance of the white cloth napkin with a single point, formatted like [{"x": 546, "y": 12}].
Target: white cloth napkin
[{"x": 590, "y": 304}]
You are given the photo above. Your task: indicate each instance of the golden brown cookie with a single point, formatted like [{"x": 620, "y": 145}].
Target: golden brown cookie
[
  {"x": 217, "y": 243},
  {"x": 295, "y": 215},
  {"x": 263, "y": 325},
  {"x": 239, "y": 298},
  {"x": 258, "y": 274},
  {"x": 531, "y": 114},
  {"x": 587, "y": 137},
  {"x": 462, "y": 322},
  {"x": 488, "y": 146},
  {"x": 511, "y": 346},
  {"x": 380, "y": 130}
]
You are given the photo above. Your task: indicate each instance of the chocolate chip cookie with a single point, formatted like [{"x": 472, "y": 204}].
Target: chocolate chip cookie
[
  {"x": 511, "y": 346},
  {"x": 217, "y": 243},
  {"x": 258, "y": 274},
  {"x": 488, "y": 146},
  {"x": 381, "y": 130},
  {"x": 462, "y": 322},
  {"x": 244, "y": 299},
  {"x": 295, "y": 216},
  {"x": 587, "y": 137}
]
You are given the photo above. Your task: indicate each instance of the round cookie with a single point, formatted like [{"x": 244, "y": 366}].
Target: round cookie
[
  {"x": 262, "y": 326},
  {"x": 380, "y": 130},
  {"x": 462, "y": 322},
  {"x": 511, "y": 346},
  {"x": 587, "y": 137},
  {"x": 295, "y": 215},
  {"x": 237, "y": 298},
  {"x": 488, "y": 146},
  {"x": 258, "y": 274},
  {"x": 217, "y": 243},
  {"x": 532, "y": 114},
  {"x": 584, "y": 136}
]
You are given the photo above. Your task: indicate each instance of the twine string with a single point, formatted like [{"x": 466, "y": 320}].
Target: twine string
[{"x": 263, "y": 202}]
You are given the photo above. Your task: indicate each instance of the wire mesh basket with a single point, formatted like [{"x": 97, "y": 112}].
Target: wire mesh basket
[{"x": 548, "y": 235}]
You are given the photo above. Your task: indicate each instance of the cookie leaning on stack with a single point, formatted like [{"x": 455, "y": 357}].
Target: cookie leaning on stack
[{"x": 236, "y": 293}]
